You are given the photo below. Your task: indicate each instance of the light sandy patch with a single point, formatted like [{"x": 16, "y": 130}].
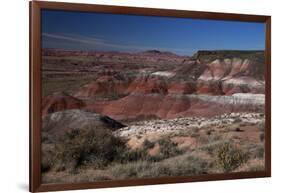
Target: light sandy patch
[
  {"x": 248, "y": 133},
  {"x": 185, "y": 142},
  {"x": 155, "y": 150},
  {"x": 135, "y": 143}
]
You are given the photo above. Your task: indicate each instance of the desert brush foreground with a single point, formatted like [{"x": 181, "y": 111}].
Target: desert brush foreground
[{"x": 114, "y": 115}]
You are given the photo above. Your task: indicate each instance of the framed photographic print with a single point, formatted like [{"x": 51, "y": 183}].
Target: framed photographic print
[{"x": 123, "y": 96}]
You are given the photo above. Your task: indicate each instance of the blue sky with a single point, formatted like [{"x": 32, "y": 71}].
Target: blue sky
[{"x": 128, "y": 33}]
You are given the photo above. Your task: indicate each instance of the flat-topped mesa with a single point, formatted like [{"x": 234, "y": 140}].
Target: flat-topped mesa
[
  {"x": 158, "y": 52},
  {"x": 153, "y": 52},
  {"x": 253, "y": 61},
  {"x": 231, "y": 71},
  {"x": 210, "y": 55}
]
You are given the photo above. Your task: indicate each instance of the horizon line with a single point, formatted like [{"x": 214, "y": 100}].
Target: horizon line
[{"x": 161, "y": 51}]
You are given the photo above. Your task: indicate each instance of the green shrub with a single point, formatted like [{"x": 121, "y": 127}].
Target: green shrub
[{"x": 230, "y": 157}]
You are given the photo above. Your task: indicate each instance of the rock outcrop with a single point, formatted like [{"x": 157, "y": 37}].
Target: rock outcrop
[
  {"x": 60, "y": 101},
  {"x": 104, "y": 86},
  {"x": 178, "y": 125},
  {"x": 58, "y": 123},
  {"x": 229, "y": 76}
]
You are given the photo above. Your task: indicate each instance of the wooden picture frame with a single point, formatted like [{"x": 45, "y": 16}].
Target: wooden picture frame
[{"x": 36, "y": 88}]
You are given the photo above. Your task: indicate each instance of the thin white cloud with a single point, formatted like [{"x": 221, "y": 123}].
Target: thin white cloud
[
  {"x": 74, "y": 38},
  {"x": 105, "y": 44}
]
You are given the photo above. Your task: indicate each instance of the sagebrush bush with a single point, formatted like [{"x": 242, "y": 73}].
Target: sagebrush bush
[
  {"x": 129, "y": 170},
  {"x": 230, "y": 157},
  {"x": 96, "y": 147},
  {"x": 257, "y": 167},
  {"x": 261, "y": 126},
  {"x": 259, "y": 152},
  {"x": 184, "y": 166},
  {"x": 134, "y": 155},
  {"x": 168, "y": 148},
  {"x": 45, "y": 165},
  {"x": 45, "y": 138},
  {"x": 212, "y": 147},
  {"x": 148, "y": 144},
  {"x": 47, "y": 157},
  {"x": 261, "y": 136}
]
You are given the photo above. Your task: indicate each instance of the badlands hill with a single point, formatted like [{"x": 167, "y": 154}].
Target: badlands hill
[{"x": 154, "y": 84}]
